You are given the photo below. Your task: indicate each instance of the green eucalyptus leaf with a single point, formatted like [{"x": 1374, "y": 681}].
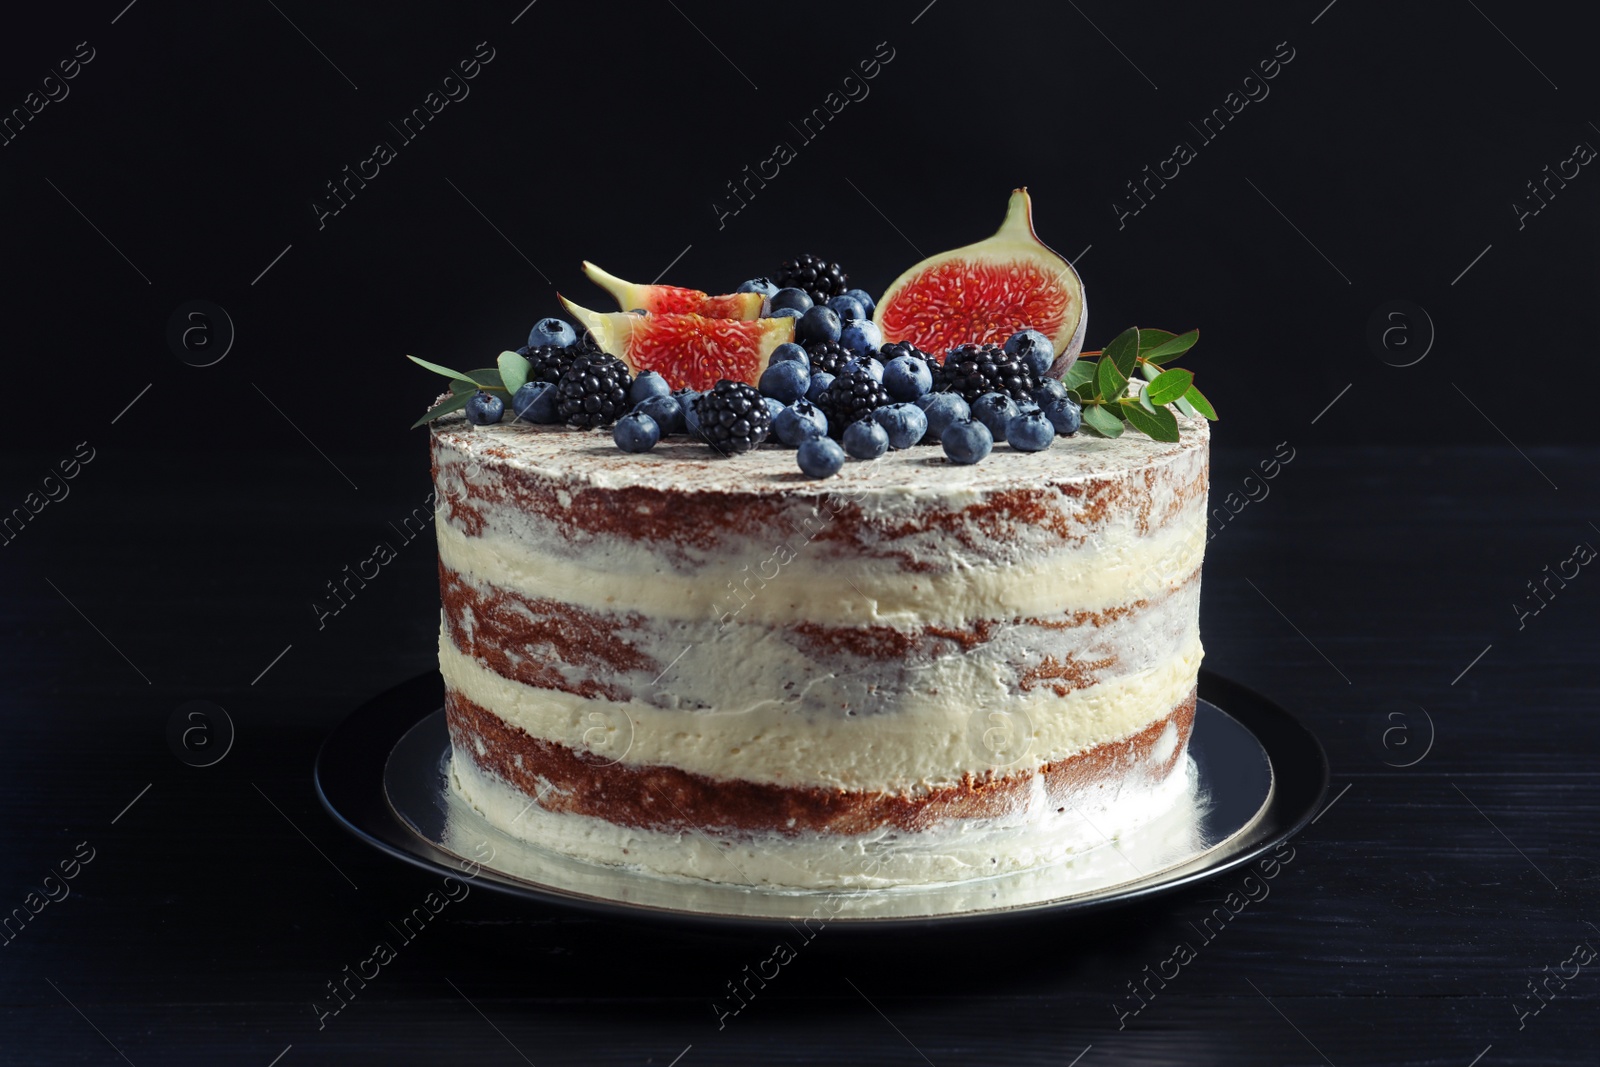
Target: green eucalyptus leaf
[
  {"x": 513, "y": 370},
  {"x": 1184, "y": 406},
  {"x": 1081, "y": 371},
  {"x": 1149, "y": 370},
  {"x": 1171, "y": 350},
  {"x": 455, "y": 403},
  {"x": 1101, "y": 422},
  {"x": 1150, "y": 339},
  {"x": 1144, "y": 401},
  {"x": 488, "y": 378},
  {"x": 468, "y": 386},
  {"x": 1123, "y": 351},
  {"x": 446, "y": 371},
  {"x": 1110, "y": 379},
  {"x": 1198, "y": 399},
  {"x": 1160, "y": 424},
  {"x": 1169, "y": 385}
]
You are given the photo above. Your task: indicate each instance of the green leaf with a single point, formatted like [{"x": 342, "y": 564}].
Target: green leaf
[
  {"x": 1101, "y": 422},
  {"x": 513, "y": 370},
  {"x": 1186, "y": 407},
  {"x": 1123, "y": 351},
  {"x": 487, "y": 378},
  {"x": 1160, "y": 424},
  {"x": 1081, "y": 371},
  {"x": 1168, "y": 351},
  {"x": 1144, "y": 401},
  {"x": 1110, "y": 379},
  {"x": 1086, "y": 393},
  {"x": 455, "y": 403},
  {"x": 1149, "y": 370},
  {"x": 1151, "y": 339},
  {"x": 1200, "y": 403},
  {"x": 446, "y": 371},
  {"x": 1169, "y": 385},
  {"x": 468, "y": 386}
]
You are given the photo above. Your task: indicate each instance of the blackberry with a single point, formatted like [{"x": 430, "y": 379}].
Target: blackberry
[
  {"x": 854, "y": 395},
  {"x": 813, "y": 274},
  {"x": 546, "y": 363},
  {"x": 895, "y": 349},
  {"x": 593, "y": 391},
  {"x": 733, "y": 417},
  {"x": 973, "y": 370},
  {"x": 829, "y": 356}
]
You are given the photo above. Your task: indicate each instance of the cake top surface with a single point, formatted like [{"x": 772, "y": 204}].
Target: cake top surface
[{"x": 683, "y": 464}]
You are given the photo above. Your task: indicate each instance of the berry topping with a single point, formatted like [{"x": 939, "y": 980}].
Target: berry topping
[
  {"x": 546, "y": 363},
  {"x": 967, "y": 441},
  {"x": 552, "y": 332},
  {"x": 907, "y": 377},
  {"x": 484, "y": 408},
  {"x": 819, "y": 278},
  {"x": 636, "y": 432},
  {"x": 865, "y": 439},
  {"x": 973, "y": 370},
  {"x": 827, "y": 356},
  {"x": 785, "y": 381},
  {"x": 904, "y": 423},
  {"x": 1030, "y": 432},
  {"x": 646, "y": 385},
  {"x": 861, "y": 337},
  {"x": 593, "y": 391},
  {"x": 1048, "y": 390},
  {"x": 852, "y": 396},
  {"x": 1064, "y": 414},
  {"x": 848, "y": 307},
  {"x": 733, "y": 417},
  {"x": 942, "y": 409},
  {"x": 864, "y": 298},
  {"x": 1033, "y": 348},
  {"x": 820, "y": 380},
  {"x": 764, "y": 286},
  {"x": 818, "y": 324},
  {"x": 995, "y": 410},
  {"x": 666, "y": 412},
  {"x": 535, "y": 402},
  {"x": 792, "y": 299},
  {"x": 798, "y": 421},
  {"x": 820, "y": 457},
  {"x": 790, "y": 351}
]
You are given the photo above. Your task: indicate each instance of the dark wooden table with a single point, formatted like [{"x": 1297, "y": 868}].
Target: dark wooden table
[{"x": 1375, "y": 592}]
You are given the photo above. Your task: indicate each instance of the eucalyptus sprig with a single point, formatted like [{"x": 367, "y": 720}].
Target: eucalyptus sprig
[
  {"x": 1101, "y": 385},
  {"x": 506, "y": 379}
]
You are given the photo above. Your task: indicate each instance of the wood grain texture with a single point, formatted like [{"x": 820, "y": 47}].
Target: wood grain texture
[{"x": 220, "y": 904}]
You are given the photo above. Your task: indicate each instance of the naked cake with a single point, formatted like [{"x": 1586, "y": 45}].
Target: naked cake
[{"x": 971, "y": 650}]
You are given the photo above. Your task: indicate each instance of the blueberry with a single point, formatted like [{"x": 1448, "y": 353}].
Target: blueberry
[
  {"x": 1030, "y": 432},
  {"x": 967, "y": 441},
  {"x": 552, "y": 332},
  {"x": 691, "y": 423},
  {"x": 906, "y": 378},
  {"x": 904, "y": 423},
  {"x": 774, "y": 407},
  {"x": 636, "y": 432},
  {"x": 798, "y": 299},
  {"x": 1025, "y": 407},
  {"x": 848, "y": 307},
  {"x": 819, "y": 385},
  {"x": 942, "y": 410},
  {"x": 790, "y": 351},
  {"x": 995, "y": 410},
  {"x": 763, "y": 286},
  {"x": 861, "y": 337},
  {"x": 865, "y": 439},
  {"x": 665, "y": 410},
  {"x": 862, "y": 297},
  {"x": 786, "y": 381},
  {"x": 484, "y": 408},
  {"x": 872, "y": 366},
  {"x": 798, "y": 421},
  {"x": 817, "y": 324},
  {"x": 648, "y": 384},
  {"x": 1033, "y": 348},
  {"x": 1048, "y": 390},
  {"x": 820, "y": 457},
  {"x": 784, "y": 313},
  {"x": 1065, "y": 415},
  {"x": 536, "y": 402}
]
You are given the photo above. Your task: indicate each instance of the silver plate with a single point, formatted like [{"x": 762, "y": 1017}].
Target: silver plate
[{"x": 1231, "y": 786}]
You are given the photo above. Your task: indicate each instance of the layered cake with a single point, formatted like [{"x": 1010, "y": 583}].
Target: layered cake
[{"x": 843, "y": 600}]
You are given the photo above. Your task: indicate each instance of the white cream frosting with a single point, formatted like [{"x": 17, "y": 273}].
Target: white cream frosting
[
  {"x": 1032, "y": 838},
  {"x": 922, "y": 744}
]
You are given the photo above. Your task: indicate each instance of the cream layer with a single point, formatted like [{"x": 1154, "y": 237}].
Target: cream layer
[{"x": 927, "y": 741}]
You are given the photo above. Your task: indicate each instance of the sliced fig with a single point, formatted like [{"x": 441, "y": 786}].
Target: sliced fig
[
  {"x": 983, "y": 293},
  {"x": 688, "y": 350},
  {"x": 671, "y": 299}
]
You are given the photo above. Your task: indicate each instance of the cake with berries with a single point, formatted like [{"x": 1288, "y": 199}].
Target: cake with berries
[{"x": 845, "y": 593}]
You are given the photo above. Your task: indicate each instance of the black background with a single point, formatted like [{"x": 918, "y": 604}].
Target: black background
[{"x": 1397, "y": 545}]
